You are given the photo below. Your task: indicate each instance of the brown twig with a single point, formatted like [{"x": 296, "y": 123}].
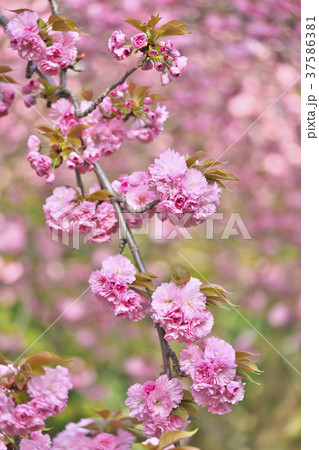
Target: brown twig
[
  {"x": 16, "y": 442},
  {"x": 79, "y": 181},
  {"x": 122, "y": 244},
  {"x": 55, "y": 8},
  {"x": 138, "y": 260},
  {"x": 3, "y": 21},
  {"x": 104, "y": 94},
  {"x": 131, "y": 210},
  {"x": 31, "y": 68}
]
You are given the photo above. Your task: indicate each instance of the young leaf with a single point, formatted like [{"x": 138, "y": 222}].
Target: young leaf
[
  {"x": 44, "y": 358},
  {"x": 210, "y": 162},
  {"x": 87, "y": 94},
  {"x": 242, "y": 355},
  {"x": 20, "y": 10},
  {"x": 190, "y": 409},
  {"x": 7, "y": 79},
  {"x": 138, "y": 446},
  {"x": 142, "y": 26},
  {"x": 144, "y": 276},
  {"x": 154, "y": 20},
  {"x": 245, "y": 376},
  {"x": 191, "y": 160},
  {"x": 144, "y": 284},
  {"x": 76, "y": 130},
  {"x": 180, "y": 276},
  {"x": 100, "y": 195},
  {"x": 181, "y": 412},
  {"x": 5, "y": 69},
  {"x": 171, "y": 437},
  {"x": 105, "y": 413}
]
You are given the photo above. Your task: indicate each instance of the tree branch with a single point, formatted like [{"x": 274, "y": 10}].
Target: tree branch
[
  {"x": 126, "y": 233},
  {"x": 55, "y": 8},
  {"x": 16, "y": 443},
  {"x": 3, "y": 21},
  {"x": 104, "y": 94},
  {"x": 79, "y": 180},
  {"x": 131, "y": 210},
  {"x": 31, "y": 68}
]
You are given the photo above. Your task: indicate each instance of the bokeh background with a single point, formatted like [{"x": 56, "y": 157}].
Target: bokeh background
[{"x": 243, "y": 56}]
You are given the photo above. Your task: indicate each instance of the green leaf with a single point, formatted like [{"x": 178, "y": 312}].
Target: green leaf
[
  {"x": 187, "y": 396},
  {"x": 181, "y": 412},
  {"x": 245, "y": 376},
  {"x": 100, "y": 195},
  {"x": 42, "y": 23},
  {"x": 171, "y": 437},
  {"x": 138, "y": 446},
  {"x": 190, "y": 409}
]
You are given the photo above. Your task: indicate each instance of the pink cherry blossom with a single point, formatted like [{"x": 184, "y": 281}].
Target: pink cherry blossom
[
  {"x": 62, "y": 114},
  {"x": 36, "y": 441},
  {"x": 212, "y": 367},
  {"x": 154, "y": 402},
  {"x": 139, "y": 40},
  {"x": 181, "y": 311}
]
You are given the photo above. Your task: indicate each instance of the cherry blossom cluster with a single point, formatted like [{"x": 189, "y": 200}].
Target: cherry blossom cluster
[
  {"x": 153, "y": 403},
  {"x": 212, "y": 367},
  {"x": 181, "y": 311},
  {"x": 167, "y": 60},
  {"x": 6, "y": 98},
  {"x": 34, "y": 40},
  {"x": 63, "y": 213},
  {"x": 111, "y": 286},
  {"x": 40, "y": 163},
  {"x": 27, "y": 401},
  {"x": 137, "y": 195},
  {"x": 148, "y": 128},
  {"x": 103, "y": 130},
  {"x": 183, "y": 192},
  {"x": 163, "y": 56},
  {"x": 80, "y": 436}
]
